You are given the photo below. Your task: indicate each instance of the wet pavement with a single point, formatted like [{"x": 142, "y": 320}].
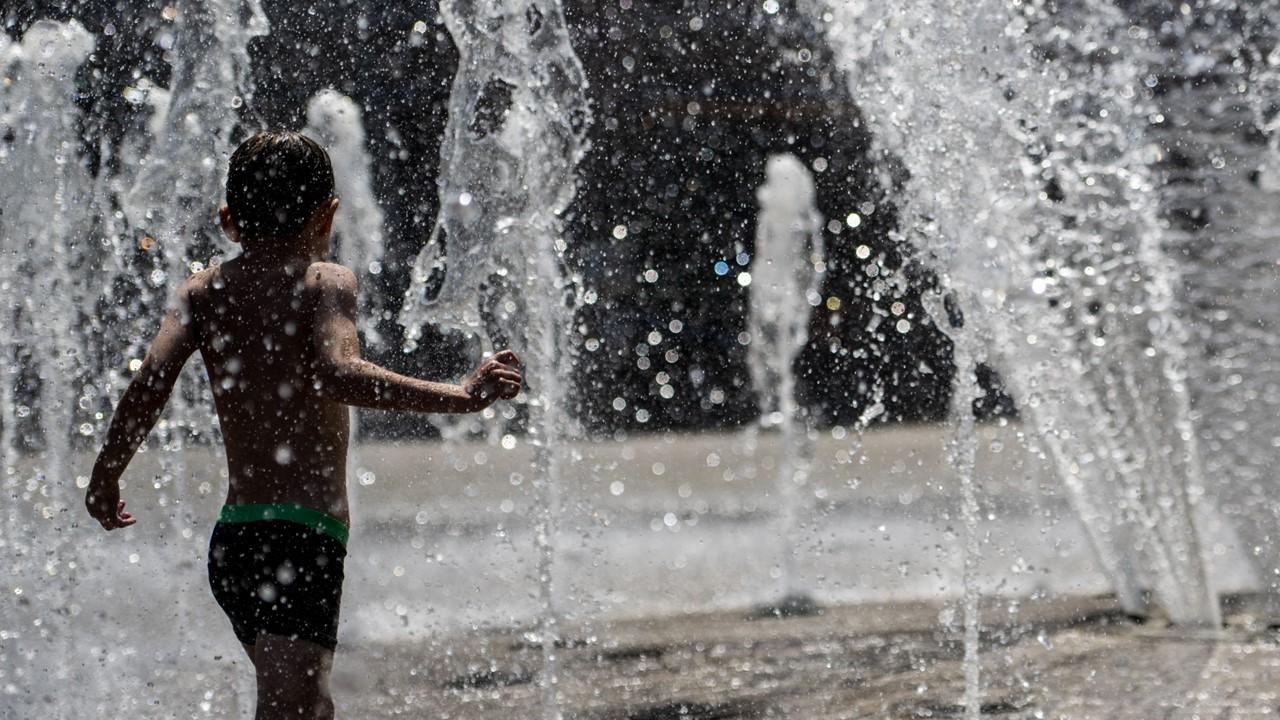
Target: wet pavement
[{"x": 1077, "y": 658}]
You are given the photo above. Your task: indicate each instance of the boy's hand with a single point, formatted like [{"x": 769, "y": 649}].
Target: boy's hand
[
  {"x": 104, "y": 504},
  {"x": 497, "y": 378}
]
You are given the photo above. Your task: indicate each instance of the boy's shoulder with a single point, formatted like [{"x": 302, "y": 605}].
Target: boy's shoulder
[
  {"x": 330, "y": 272},
  {"x": 197, "y": 283},
  {"x": 328, "y": 277}
]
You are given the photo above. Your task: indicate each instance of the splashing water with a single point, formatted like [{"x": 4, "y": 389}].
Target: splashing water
[
  {"x": 44, "y": 226},
  {"x": 786, "y": 276},
  {"x": 334, "y": 120},
  {"x": 1118, "y": 317},
  {"x": 186, "y": 161},
  {"x": 1026, "y": 175},
  {"x": 517, "y": 118},
  {"x": 1218, "y": 74}
]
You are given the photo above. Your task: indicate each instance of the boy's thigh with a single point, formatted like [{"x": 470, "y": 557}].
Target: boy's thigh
[{"x": 288, "y": 667}]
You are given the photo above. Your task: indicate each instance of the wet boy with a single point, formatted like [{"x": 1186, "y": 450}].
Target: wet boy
[{"x": 276, "y": 329}]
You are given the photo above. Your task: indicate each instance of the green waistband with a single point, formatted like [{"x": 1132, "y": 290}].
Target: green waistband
[{"x": 322, "y": 522}]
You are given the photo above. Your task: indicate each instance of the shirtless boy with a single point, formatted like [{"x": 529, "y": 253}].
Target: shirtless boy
[{"x": 276, "y": 329}]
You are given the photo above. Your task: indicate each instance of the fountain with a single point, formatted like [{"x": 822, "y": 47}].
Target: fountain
[
  {"x": 334, "y": 120},
  {"x": 786, "y": 278},
  {"x": 185, "y": 162},
  {"x": 517, "y": 118},
  {"x": 46, "y": 225},
  {"x": 1220, "y": 203},
  {"x": 964, "y": 231},
  {"x": 1035, "y": 167}
]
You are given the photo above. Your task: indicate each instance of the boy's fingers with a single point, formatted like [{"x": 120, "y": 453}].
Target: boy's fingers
[
  {"x": 504, "y": 374},
  {"x": 506, "y": 357}
]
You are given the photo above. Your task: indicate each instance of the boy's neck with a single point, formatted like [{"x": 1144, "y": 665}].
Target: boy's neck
[{"x": 286, "y": 253}]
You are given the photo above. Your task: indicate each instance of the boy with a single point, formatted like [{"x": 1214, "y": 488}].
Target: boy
[{"x": 276, "y": 329}]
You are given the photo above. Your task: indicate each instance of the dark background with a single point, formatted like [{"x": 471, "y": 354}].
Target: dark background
[{"x": 683, "y": 184}]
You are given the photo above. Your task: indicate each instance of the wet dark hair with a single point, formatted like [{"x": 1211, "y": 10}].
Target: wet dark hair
[{"x": 275, "y": 182}]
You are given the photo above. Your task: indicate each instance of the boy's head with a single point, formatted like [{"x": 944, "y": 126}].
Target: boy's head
[{"x": 276, "y": 183}]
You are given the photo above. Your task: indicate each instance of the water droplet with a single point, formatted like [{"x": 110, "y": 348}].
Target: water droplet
[{"x": 267, "y": 592}]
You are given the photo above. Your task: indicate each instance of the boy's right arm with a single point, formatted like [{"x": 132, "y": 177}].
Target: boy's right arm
[{"x": 345, "y": 377}]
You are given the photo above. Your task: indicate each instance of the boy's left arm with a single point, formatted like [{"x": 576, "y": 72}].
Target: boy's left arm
[{"x": 139, "y": 409}]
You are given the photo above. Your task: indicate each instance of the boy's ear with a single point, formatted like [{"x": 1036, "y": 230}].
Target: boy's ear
[
  {"x": 228, "y": 224},
  {"x": 321, "y": 222}
]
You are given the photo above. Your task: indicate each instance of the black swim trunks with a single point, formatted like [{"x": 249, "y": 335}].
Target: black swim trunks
[{"x": 277, "y": 569}]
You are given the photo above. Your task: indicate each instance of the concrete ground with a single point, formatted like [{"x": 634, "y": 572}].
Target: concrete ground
[{"x": 1074, "y": 658}]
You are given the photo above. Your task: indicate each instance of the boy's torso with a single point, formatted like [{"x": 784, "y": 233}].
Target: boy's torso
[{"x": 285, "y": 443}]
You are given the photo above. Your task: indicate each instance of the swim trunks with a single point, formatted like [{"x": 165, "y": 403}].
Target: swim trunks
[{"x": 278, "y": 569}]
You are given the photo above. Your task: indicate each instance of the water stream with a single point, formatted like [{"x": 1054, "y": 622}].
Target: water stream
[
  {"x": 517, "y": 121},
  {"x": 1027, "y": 182},
  {"x": 786, "y": 280}
]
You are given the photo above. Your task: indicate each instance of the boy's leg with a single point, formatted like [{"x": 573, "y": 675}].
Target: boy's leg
[{"x": 293, "y": 679}]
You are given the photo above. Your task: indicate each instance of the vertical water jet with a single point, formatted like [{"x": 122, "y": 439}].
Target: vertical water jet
[
  {"x": 786, "y": 277},
  {"x": 960, "y": 96},
  {"x": 518, "y": 115}
]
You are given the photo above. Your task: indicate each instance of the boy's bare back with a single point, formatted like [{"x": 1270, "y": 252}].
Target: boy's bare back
[
  {"x": 279, "y": 341},
  {"x": 262, "y": 336}
]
